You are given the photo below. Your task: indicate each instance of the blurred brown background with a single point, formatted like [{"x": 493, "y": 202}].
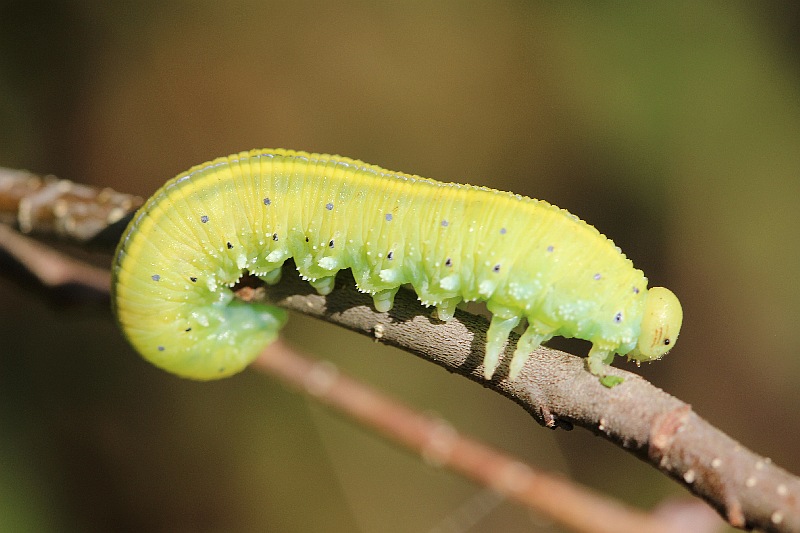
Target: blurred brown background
[{"x": 673, "y": 127}]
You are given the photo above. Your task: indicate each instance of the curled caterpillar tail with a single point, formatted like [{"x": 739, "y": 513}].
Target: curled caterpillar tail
[{"x": 229, "y": 334}]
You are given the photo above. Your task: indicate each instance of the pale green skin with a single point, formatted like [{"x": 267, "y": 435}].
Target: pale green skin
[{"x": 525, "y": 258}]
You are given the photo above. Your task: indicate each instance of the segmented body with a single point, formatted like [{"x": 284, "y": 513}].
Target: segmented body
[{"x": 252, "y": 211}]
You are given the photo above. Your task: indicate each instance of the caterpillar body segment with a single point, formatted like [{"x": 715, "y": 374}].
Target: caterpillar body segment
[{"x": 527, "y": 259}]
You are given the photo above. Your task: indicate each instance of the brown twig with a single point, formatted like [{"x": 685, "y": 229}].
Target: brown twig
[
  {"x": 561, "y": 501},
  {"x": 50, "y": 205},
  {"x": 748, "y": 490},
  {"x": 52, "y": 268}
]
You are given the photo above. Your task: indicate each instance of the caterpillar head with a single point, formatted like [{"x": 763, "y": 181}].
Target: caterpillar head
[{"x": 661, "y": 324}]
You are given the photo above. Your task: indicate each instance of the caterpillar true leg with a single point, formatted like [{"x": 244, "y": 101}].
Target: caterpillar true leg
[
  {"x": 496, "y": 337},
  {"x": 598, "y": 361},
  {"x": 527, "y": 343}
]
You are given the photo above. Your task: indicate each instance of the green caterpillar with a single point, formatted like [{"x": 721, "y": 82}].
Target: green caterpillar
[{"x": 252, "y": 211}]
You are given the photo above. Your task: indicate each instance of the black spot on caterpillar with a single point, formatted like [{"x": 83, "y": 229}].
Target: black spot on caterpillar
[{"x": 525, "y": 258}]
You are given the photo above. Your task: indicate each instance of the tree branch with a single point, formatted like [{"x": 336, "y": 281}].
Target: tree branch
[
  {"x": 51, "y": 205},
  {"x": 561, "y": 501},
  {"x": 747, "y": 490},
  {"x": 52, "y": 268}
]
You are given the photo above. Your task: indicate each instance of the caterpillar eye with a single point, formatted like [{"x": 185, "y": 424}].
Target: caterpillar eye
[{"x": 666, "y": 342}]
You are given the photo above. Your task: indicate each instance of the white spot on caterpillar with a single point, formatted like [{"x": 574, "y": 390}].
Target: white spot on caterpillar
[
  {"x": 200, "y": 318},
  {"x": 274, "y": 256},
  {"x": 450, "y": 283},
  {"x": 328, "y": 263},
  {"x": 389, "y": 275},
  {"x": 486, "y": 288}
]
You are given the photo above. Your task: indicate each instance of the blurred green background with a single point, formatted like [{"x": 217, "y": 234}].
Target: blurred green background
[{"x": 672, "y": 126}]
